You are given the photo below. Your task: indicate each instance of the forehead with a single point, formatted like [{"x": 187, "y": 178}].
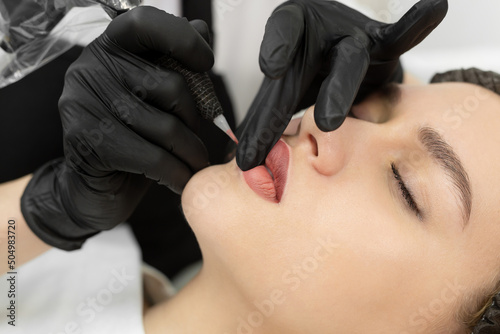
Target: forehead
[
  {"x": 465, "y": 114},
  {"x": 452, "y": 99}
]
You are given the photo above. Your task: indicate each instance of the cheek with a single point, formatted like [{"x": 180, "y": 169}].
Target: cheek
[{"x": 365, "y": 251}]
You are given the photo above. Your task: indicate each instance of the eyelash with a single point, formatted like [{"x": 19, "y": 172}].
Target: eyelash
[{"x": 408, "y": 197}]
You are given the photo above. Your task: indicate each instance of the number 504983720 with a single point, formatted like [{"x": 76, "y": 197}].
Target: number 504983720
[{"x": 11, "y": 244}]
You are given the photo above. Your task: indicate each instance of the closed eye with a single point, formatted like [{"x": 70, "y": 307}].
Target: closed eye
[{"x": 405, "y": 193}]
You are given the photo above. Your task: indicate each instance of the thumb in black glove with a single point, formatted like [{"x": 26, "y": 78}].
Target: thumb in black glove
[
  {"x": 125, "y": 122},
  {"x": 317, "y": 51}
]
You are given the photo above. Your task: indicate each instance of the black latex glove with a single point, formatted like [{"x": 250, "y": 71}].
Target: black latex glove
[
  {"x": 323, "y": 52},
  {"x": 125, "y": 122}
]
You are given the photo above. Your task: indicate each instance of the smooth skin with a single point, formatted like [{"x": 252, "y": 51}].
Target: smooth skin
[{"x": 343, "y": 252}]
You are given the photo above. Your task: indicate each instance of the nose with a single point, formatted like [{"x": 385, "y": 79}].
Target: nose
[{"x": 330, "y": 152}]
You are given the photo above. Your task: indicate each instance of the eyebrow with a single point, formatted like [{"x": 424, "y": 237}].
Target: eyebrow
[{"x": 443, "y": 154}]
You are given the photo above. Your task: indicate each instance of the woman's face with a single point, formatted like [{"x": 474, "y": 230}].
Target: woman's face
[{"x": 347, "y": 249}]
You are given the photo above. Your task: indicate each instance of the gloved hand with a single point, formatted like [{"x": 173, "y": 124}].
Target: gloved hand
[
  {"x": 317, "y": 51},
  {"x": 125, "y": 122}
]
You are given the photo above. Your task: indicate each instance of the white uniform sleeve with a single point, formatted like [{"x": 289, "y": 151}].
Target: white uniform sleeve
[{"x": 94, "y": 290}]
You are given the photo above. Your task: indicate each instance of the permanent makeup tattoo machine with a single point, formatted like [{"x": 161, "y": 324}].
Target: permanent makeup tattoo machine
[
  {"x": 200, "y": 85},
  {"x": 203, "y": 92}
]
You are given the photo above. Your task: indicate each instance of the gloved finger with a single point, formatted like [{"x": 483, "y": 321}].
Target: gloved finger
[
  {"x": 266, "y": 120},
  {"x": 166, "y": 90},
  {"x": 165, "y": 131},
  {"x": 350, "y": 61},
  {"x": 202, "y": 28},
  {"x": 412, "y": 28},
  {"x": 119, "y": 148},
  {"x": 158, "y": 165},
  {"x": 145, "y": 29},
  {"x": 282, "y": 38}
]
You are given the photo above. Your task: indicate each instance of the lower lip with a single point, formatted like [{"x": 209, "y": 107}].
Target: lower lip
[{"x": 259, "y": 180}]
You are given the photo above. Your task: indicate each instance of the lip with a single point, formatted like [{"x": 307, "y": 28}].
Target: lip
[{"x": 262, "y": 183}]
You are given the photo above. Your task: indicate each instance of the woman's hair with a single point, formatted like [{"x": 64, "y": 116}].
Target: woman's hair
[
  {"x": 487, "y": 79},
  {"x": 480, "y": 313}
]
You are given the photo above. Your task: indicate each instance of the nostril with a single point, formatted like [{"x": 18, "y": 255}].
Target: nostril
[{"x": 314, "y": 145}]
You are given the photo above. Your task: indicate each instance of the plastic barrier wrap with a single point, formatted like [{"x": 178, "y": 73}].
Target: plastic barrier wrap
[{"x": 33, "y": 32}]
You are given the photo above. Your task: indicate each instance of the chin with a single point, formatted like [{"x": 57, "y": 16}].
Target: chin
[{"x": 210, "y": 197}]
